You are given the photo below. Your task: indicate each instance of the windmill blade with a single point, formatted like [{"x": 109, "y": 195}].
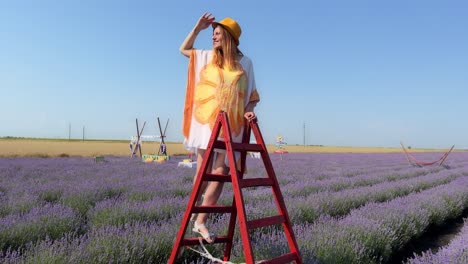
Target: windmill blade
[
  {"x": 142, "y": 128},
  {"x": 139, "y": 133},
  {"x": 160, "y": 129},
  {"x": 137, "y": 139},
  {"x": 167, "y": 123},
  {"x": 138, "y": 130}
]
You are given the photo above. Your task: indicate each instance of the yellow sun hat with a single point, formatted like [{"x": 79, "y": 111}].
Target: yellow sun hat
[{"x": 231, "y": 26}]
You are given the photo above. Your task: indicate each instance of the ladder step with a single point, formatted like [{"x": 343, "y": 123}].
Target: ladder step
[
  {"x": 217, "y": 177},
  {"x": 192, "y": 241},
  {"x": 247, "y": 147},
  {"x": 239, "y": 146},
  {"x": 286, "y": 258},
  {"x": 267, "y": 221},
  {"x": 213, "y": 209},
  {"x": 254, "y": 182}
]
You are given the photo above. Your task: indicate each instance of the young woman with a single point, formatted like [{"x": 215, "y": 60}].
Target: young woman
[{"x": 219, "y": 79}]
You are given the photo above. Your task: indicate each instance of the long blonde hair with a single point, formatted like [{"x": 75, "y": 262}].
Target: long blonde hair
[{"x": 226, "y": 56}]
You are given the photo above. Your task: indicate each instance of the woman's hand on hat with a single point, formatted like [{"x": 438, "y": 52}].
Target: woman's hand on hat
[
  {"x": 250, "y": 116},
  {"x": 204, "y": 21}
]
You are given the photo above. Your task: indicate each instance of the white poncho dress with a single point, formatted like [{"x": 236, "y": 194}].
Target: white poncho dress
[{"x": 211, "y": 89}]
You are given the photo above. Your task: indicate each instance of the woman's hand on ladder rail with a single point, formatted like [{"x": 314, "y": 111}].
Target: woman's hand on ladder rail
[{"x": 250, "y": 116}]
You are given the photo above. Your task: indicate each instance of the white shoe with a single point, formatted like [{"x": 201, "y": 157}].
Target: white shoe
[{"x": 209, "y": 237}]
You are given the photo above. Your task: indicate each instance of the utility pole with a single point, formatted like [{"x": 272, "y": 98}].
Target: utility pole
[
  {"x": 83, "y": 132},
  {"x": 69, "y": 131},
  {"x": 304, "y": 137}
]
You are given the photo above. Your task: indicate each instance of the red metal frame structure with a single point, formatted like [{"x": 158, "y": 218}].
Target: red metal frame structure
[
  {"x": 237, "y": 208},
  {"x": 415, "y": 162}
]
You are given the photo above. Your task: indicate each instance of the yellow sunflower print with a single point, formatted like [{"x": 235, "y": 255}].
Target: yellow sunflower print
[{"x": 217, "y": 90}]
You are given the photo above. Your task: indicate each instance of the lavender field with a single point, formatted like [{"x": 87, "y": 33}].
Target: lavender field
[{"x": 345, "y": 208}]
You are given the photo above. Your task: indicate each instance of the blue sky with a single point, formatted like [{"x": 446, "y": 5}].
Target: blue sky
[{"x": 352, "y": 73}]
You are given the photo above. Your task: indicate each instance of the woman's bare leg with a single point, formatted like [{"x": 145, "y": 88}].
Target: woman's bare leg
[
  {"x": 200, "y": 154},
  {"x": 213, "y": 191}
]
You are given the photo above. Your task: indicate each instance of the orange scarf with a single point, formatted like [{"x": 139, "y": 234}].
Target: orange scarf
[{"x": 188, "y": 108}]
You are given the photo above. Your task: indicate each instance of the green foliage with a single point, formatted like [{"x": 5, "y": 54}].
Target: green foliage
[
  {"x": 129, "y": 244},
  {"x": 141, "y": 196},
  {"x": 80, "y": 202},
  {"x": 51, "y": 195},
  {"x": 24, "y": 231}
]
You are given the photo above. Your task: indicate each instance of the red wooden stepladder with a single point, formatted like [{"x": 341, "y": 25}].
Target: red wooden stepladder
[{"x": 237, "y": 209}]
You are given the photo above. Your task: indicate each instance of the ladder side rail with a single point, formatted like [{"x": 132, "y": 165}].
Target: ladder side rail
[
  {"x": 269, "y": 167},
  {"x": 193, "y": 197},
  {"x": 242, "y": 216},
  {"x": 232, "y": 220},
  {"x": 231, "y": 231},
  {"x": 277, "y": 193},
  {"x": 245, "y": 140}
]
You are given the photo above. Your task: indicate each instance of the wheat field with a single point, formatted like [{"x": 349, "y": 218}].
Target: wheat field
[{"x": 90, "y": 148}]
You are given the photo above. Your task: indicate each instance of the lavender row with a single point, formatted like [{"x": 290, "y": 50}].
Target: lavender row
[
  {"x": 309, "y": 208},
  {"x": 132, "y": 243},
  {"x": 334, "y": 184},
  {"x": 341, "y": 203},
  {"x": 330, "y": 166},
  {"x": 117, "y": 212},
  {"x": 123, "y": 193},
  {"x": 332, "y": 172},
  {"x": 455, "y": 253},
  {"x": 51, "y": 221},
  {"x": 369, "y": 234},
  {"x": 80, "y": 183},
  {"x": 372, "y": 233}
]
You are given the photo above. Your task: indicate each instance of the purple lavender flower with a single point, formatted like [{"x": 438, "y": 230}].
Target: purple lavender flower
[{"x": 345, "y": 208}]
